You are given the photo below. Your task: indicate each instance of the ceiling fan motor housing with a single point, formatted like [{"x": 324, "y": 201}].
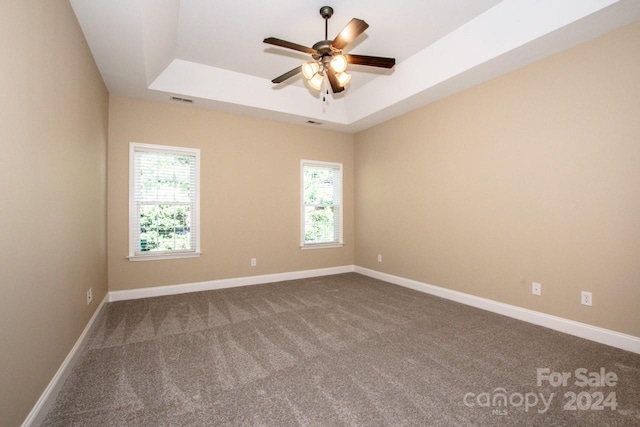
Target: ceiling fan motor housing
[{"x": 324, "y": 48}]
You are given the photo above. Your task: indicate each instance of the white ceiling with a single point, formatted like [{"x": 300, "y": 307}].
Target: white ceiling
[{"x": 212, "y": 51}]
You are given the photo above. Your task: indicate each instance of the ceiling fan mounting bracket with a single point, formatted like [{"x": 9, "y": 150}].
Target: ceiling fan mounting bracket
[{"x": 326, "y": 12}]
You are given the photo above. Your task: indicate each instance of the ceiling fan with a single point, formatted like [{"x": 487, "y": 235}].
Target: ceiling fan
[{"x": 327, "y": 55}]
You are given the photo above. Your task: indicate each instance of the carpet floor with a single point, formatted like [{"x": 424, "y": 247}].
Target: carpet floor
[{"x": 343, "y": 350}]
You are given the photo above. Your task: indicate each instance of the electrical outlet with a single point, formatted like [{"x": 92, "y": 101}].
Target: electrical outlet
[
  {"x": 254, "y": 262},
  {"x": 89, "y": 296},
  {"x": 536, "y": 288},
  {"x": 379, "y": 258},
  {"x": 586, "y": 298}
]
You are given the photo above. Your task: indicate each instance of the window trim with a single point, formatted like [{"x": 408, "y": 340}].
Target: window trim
[
  {"x": 324, "y": 245},
  {"x": 132, "y": 203}
]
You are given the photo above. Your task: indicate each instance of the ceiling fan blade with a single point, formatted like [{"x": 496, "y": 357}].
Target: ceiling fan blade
[
  {"x": 289, "y": 45},
  {"x": 354, "y": 28},
  {"x": 333, "y": 80},
  {"x": 372, "y": 61},
  {"x": 287, "y": 75}
]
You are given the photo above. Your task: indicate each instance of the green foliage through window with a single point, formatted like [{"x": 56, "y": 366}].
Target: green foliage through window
[
  {"x": 165, "y": 228},
  {"x": 165, "y": 185},
  {"x": 321, "y": 200}
]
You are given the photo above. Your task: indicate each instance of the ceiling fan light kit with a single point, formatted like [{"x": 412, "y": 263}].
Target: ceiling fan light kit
[
  {"x": 314, "y": 71},
  {"x": 328, "y": 59}
]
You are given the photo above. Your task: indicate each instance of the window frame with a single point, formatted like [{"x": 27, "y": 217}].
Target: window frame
[
  {"x": 134, "y": 217},
  {"x": 340, "y": 241}
]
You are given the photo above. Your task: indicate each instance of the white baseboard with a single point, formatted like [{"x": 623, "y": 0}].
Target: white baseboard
[
  {"x": 582, "y": 330},
  {"x": 225, "y": 283},
  {"x": 46, "y": 400}
]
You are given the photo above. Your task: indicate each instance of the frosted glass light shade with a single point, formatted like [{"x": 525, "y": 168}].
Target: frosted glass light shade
[
  {"x": 339, "y": 63},
  {"x": 343, "y": 78},
  {"x": 309, "y": 69},
  {"x": 316, "y": 81}
]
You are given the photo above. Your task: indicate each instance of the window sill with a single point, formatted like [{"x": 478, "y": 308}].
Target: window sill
[
  {"x": 160, "y": 257},
  {"x": 321, "y": 245}
]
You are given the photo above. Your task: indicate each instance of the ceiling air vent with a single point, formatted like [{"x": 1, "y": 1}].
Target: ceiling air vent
[
  {"x": 177, "y": 98},
  {"x": 313, "y": 122}
]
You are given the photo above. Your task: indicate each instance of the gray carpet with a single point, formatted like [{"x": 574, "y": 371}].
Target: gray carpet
[{"x": 343, "y": 350}]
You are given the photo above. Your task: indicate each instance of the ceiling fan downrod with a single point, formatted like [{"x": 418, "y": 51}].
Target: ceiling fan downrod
[{"x": 326, "y": 12}]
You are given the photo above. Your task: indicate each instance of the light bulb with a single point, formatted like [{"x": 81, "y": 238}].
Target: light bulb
[
  {"x": 316, "y": 81},
  {"x": 309, "y": 69},
  {"x": 339, "y": 63},
  {"x": 343, "y": 79}
]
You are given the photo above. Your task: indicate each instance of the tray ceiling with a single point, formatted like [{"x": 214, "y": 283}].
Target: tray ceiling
[{"x": 212, "y": 52}]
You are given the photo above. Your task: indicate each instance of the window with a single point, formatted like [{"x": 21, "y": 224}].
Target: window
[
  {"x": 321, "y": 204},
  {"x": 164, "y": 198}
]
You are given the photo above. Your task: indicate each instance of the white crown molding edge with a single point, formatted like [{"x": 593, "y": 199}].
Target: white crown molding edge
[
  {"x": 48, "y": 396},
  {"x": 571, "y": 327}
]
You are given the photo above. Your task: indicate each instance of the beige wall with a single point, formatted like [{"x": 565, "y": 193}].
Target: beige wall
[
  {"x": 534, "y": 176},
  {"x": 53, "y": 136},
  {"x": 531, "y": 177},
  {"x": 250, "y": 192}
]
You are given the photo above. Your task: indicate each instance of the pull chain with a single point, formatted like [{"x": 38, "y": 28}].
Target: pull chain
[{"x": 324, "y": 90}]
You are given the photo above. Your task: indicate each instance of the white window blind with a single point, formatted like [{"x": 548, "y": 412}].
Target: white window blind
[
  {"x": 321, "y": 204},
  {"x": 164, "y": 211}
]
